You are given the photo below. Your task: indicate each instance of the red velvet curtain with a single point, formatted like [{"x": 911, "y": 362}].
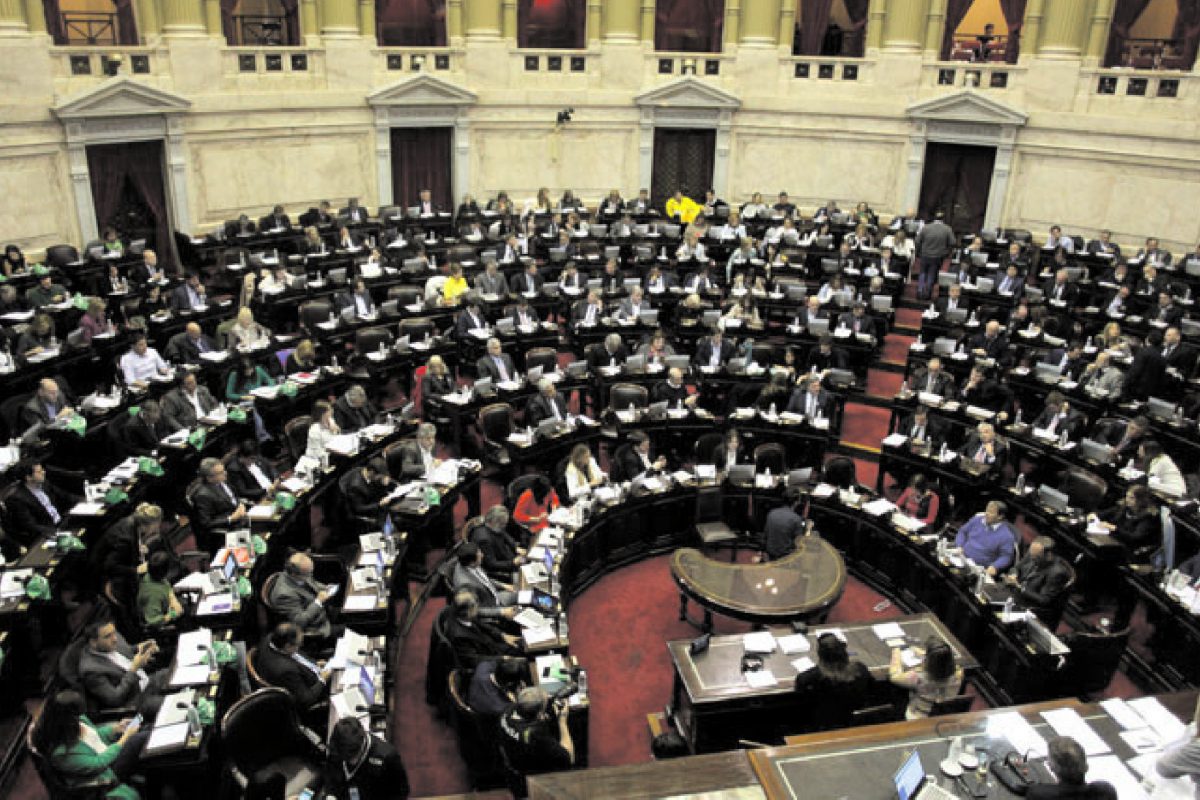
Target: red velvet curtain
[
  {"x": 556, "y": 24},
  {"x": 1014, "y": 17},
  {"x": 690, "y": 26},
  {"x": 814, "y": 21},
  {"x": 1187, "y": 31},
  {"x": 54, "y": 21},
  {"x": 956, "y": 12},
  {"x": 1125, "y": 13},
  {"x": 857, "y": 11},
  {"x": 411, "y": 23},
  {"x": 126, "y": 24},
  {"x": 139, "y": 163},
  {"x": 421, "y": 160}
]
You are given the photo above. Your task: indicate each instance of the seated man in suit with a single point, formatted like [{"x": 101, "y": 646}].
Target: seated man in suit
[
  {"x": 148, "y": 270},
  {"x": 923, "y": 428},
  {"x": 857, "y": 320},
  {"x": 1061, "y": 291},
  {"x": 952, "y": 301},
  {"x": 114, "y": 674},
  {"x": 353, "y": 213},
  {"x": 983, "y": 448},
  {"x": 1012, "y": 284},
  {"x": 215, "y": 503},
  {"x": 1040, "y": 580},
  {"x": 1103, "y": 245},
  {"x": 659, "y": 280},
  {"x": 470, "y": 318},
  {"x": 36, "y": 508},
  {"x": 142, "y": 434},
  {"x": 612, "y": 278},
  {"x": 418, "y": 457},
  {"x": 472, "y": 638},
  {"x": 252, "y": 477},
  {"x": 589, "y": 310},
  {"x": 509, "y": 250},
  {"x": 45, "y": 292},
  {"x": 634, "y": 458},
  {"x": 303, "y": 601},
  {"x": 358, "y": 298},
  {"x": 186, "y": 347},
  {"x": 714, "y": 351},
  {"x": 500, "y": 552},
  {"x": 524, "y": 315},
  {"x": 826, "y": 357},
  {"x": 365, "y": 489},
  {"x": 983, "y": 390},
  {"x": 988, "y": 539},
  {"x": 186, "y": 404},
  {"x": 496, "y": 364},
  {"x": 353, "y": 411},
  {"x": 1058, "y": 417},
  {"x": 1016, "y": 257},
  {"x": 1100, "y": 376},
  {"x": 496, "y": 599},
  {"x": 490, "y": 281},
  {"x": 810, "y": 399},
  {"x": 527, "y": 282},
  {"x": 933, "y": 379},
  {"x": 610, "y": 354},
  {"x": 47, "y": 405},
  {"x": 189, "y": 295},
  {"x": 1167, "y": 311},
  {"x": 990, "y": 342},
  {"x": 812, "y": 311},
  {"x": 1177, "y": 356},
  {"x": 570, "y": 281},
  {"x": 279, "y": 662},
  {"x": 425, "y": 204},
  {"x": 1117, "y": 303},
  {"x": 1153, "y": 254},
  {"x": 276, "y": 220},
  {"x": 631, "y": 307},
  {"x": 546, "y": 404},
  {"x": 674, "y": 392}
]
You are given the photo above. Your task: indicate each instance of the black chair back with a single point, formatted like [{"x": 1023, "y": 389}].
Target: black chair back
[
  {"x": 770, "y": 456},
  {"x": 496, "y": 422},
  {"x": 368, "y": 340},
  {"x": 624, "y": 395},
  {"x": 1084, "y": 489},
  {"x": 295, "y": 432},
  {"x": 707, "y": 447},
  {"x": 954, "y": 705}
]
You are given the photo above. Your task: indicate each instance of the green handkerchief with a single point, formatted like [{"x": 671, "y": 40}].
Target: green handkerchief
[
  {"x": 258, "y": 544},
  {"x": 285, "y": 501},
  {"x": 149, "y": 466},
  {"x": 237, "y": 414},
  {"x": 114, "y": 496},
  {"x": 38, "y": 588},
  {"x": 197, "y": 438},
  {"x": 77, "y": 424}
]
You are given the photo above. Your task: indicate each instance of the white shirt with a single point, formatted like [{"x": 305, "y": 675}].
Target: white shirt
[
  {"x": 194, "y": 399},
  {"x": 142, "y": 367},
  {"x": 259, "y": 476},
  {"x": 318, "y": 441},
  {"x": 125, "y": 664},
  {"x": 579, "y": 483}
]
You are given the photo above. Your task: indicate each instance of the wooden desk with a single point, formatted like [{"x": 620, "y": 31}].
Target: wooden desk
[
  {"x": 725, "y": 772},
  {"x": 802, "y": 585},
  {"x": 715, "y": 706}
]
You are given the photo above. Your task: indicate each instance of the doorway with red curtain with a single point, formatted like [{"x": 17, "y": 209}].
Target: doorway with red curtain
[
  {"x": 956, "y": 181},
  {"x": 421, "y": 160},
  {"x": 129, "y": 194},
  {"x": 554, "y": 24}
]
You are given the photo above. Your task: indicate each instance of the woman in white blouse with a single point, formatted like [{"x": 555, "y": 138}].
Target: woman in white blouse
[
  {"x": 733, "y": 228},
  {"x": 691, "y": 248},
  {"x": 755, "y": 208},
  {"x": 583, "y": 473},
  {"x": 1162, "y": 472},
  {"x": 321, "y": 432},
  {"x": 902, "y": 246}
]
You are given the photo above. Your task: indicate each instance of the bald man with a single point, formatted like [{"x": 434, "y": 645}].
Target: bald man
[
  {"x": 301, "y": 600},
  {"x": 149, "y": 270},
  {"x": 186, "y": 347},
  {"x": 46, "y": 406},
  {"x": 673, "y": 390}
]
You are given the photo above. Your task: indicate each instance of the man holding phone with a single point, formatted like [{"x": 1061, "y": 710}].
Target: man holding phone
[
  {"x": 303, "y": 601},
  {"x": 113, "y": 673}
]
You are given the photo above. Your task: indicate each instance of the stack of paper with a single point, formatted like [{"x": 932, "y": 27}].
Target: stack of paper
[{"x": 761, "y": 642}]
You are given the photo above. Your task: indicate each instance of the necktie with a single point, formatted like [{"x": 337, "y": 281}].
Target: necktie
[
  {"x": 811, "y": 406},
  {"x": 55, "y": 517},
  {"x": 201, "y": 345},
  {"x": 1005, "y": 286},
  {"x": 981, "y": 454},
  {"x": 229, "y": 493},
  {"x": 931, "y": 384},
  {"x": 918, "y": 433},
  {"x": 500, "y": 367},
  {"x": 482, "y": 577}
]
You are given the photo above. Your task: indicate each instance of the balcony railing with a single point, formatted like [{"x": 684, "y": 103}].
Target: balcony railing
[
  {"x": 1153, "y": 54},
  {"x": 969, "y": 47},
  {"x": 261, "y": 30},
  {"x": 90, "y": 27}
]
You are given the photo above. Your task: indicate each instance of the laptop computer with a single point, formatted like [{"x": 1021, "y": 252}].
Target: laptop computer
[
  {"x": 635, "y": 364},
  {"x": 912, "y": 783},
  {"x": 1158, "y": 408},
  {"x": 818, "y": 327},
  {"x": 680, "y": 362},
  {"x": 741, "y": 474},
  {"x": 577, "y": 369},
  {"x": 648, "y": 318},
  {"x": 1092, "y": 450},
  {"x": 1053, "y": 499}
]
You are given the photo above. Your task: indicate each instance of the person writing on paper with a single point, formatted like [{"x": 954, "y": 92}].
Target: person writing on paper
[
  {"x": 547, "y": 404},
  {"x": 418, "y": 459},
  {"x": 499, "y": 550},
  {"x": 936, "y": 678},
  {"x": 251, "y": 476},
  {"x": 1040, "y": 581},
  {"x": 366, "y": 490},
  {"x": 535, "y": 504},
  {"x": 142, "y": 363},
  {"x": 321, "y": 432},
  {"x": 246, "y": 334},
  {"x": 279, "y": 662},
  {"x": 582, "y": 473},
  {"x": 244, "y": 379},
  {"x": 832, "y": 691},
  {"x": 1068, "y": 762},
  {"x": 988, "y": 540},
  {"x": 302, "y": 601},
  {"x": 156, "y": 601},
  {"x": 1182, "y": 760},
  {"x": 81, "y": 752},
  {"x": 362, "y": 766},
  {"x": 918, "y": 500},
  {"x": 473, "y": 638}
]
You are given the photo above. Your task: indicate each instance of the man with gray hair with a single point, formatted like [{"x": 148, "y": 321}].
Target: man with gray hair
[
  {"x": 353, "y": 411},
  {"x": 546, "y": 404},
  {"x": 1040, "y": 581},
  {"x": 496, "y": 364},
  {"x": 215, "y": 504},
  {"x": 499, "y": 550},
  {"x": 418, "y": 458},
  {"x": 610, "y": 354},
  {"x": 535, "y": 735}
]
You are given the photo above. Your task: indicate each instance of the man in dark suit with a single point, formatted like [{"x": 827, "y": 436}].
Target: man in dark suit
[
  {"x": 148, "y": 270},
  {"x": 1059, "y": 416},
  {"x": 1040, "y": 580},
  {"x": 1104, "y": 245},
  {"x": 357, "y": 297},
  {"x": 1145, "y": 375},
  {"x": 1178, "y": 356},
  {"x": 425, "y": 204},
  {"x": 589, "y": 310},
  {"x": 1153, "y": 254},
  {"x": 276, "y": 220},
  {"x": 714, "y": 351},
  {"x": 142, "y": 434},
  {"x": 1069, "y": 360},
  {"x": 933, "y": 379},
  {"x": 469, "y": 319},
  {"x": 186, "y": 404},
  {"x": 114, "y": 674},
  {"x": 302, "y": 601},
  {"x": 186, "y": 347},
  {"x": 189, "y": 295},
  {"x": 659, "y": 280},
  {"x": 1167, "y": 310},
  {"x": 528, "y": 282},
  {"x": 1012, "y": 284},
  {"x": 523, "y": 315},
  {"x": 499, "y": 550},
  {"x": 990, "y": 342},
  {"x": 472, "y": 638},
  {"x": 674, "y": 392},
  {"x": 983, "y": 390},
  {"x": 48, "y": 404},
  {"x": 632, "y": 307},
  {"x": 496, "y": 364},
  {"x": 353, "y": 213},
  {"x": 509, "y": 250},
  {"x": 546, "y": 404},
  {"x": 279, "y": 663},
  {"x": 365, "y": 488},
  {"x": 417, "y": 457},
  {"x": 1060, "y": 291},
  {"x": 1125, "y": 437},
  {"x": 952, "y": 301},
  {"x": 612, "y": 279},
  {"x": 36, "y": 508},
  {"x": 496, "y": 599},
  {"x": 857, "y": 320},
  {"x": 922, "y": 428},
  {"x": 826, "y": 356},
  {"x": 983, "y": 448},
  {"x": 491, "y": 281},
  {"x": 251, "y": 476},
  {"x": 611, "y": 353},
  {"x": 353, "y": 411},
  {"x": 811, "y": 311},
  {"x": 215, "y": 503},
  {"x": 634, "y": 458},
  {"x": 810, "y": 399}
]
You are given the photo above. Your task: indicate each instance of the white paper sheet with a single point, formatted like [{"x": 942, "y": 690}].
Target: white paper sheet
[
  {"x": 1020, "y": 734},
  {"x": 1110, "y": 768},
  {"x": 359, "y": 602},
  {"x": 761, "y": 679},
  {"x": 759, "y": 642},
  {"x": 1067, "y": 722},
  {"x": 796, "y": 643},
  {"x": 1123, "y": 713},
  {"x": 1165, "y": 724},
  {"x": 888, "y": 630}
]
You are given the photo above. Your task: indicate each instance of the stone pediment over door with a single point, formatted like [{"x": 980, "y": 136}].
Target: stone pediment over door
[
  {"x": 120, "y": 97},
  {"x": 967, "y": 106},
  {"x": 423, "y": 90},
  {"x": 686, "y": 103},
  {"x": 688, "y": 93}
]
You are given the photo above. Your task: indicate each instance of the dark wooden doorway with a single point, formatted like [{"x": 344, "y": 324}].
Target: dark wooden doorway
[
  {"x": 129, "y": 194},
  {"x": 421, "y": 160},
  {"x": 683, "y": 159},
  {"x": 956, "y": 181}
]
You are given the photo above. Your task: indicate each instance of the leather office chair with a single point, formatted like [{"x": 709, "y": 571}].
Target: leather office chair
[
  {"x": 477, "y": 742},
  {"x": 517, "y": 487},
  {"x": 256, "y": 680},
  {"x": 841, "y": 472},
  {"x": 544, "y": 357},
  {"x": 710, "y": 522},
  {"x": 1084, "y": 490},
  {"x": 954, "y": 705},
  {"x": 417, "y": 330},
  {"x": 1092, "y": 662},
  {"x": 624, "y": 395},
  {"x": 770, "y": 456},
  {"x": 442, "y": 659},
  {"x": 874, "y": 715},
  {"x": 315, "y": 311},
  {"x": 295, "y": 433},
  {"x": 95, "y": 788},
  {"x": 406, "y": 295},
  {"x": 357, "y": 524},
  {"x": 707, "y": 447},
  {"x": 496, "y": 424},
  {"x": 762, "y": 354},
  {"x": 262, "y": 733},
  {"x": 368, "y": 340},
  {"x": 59, "y": 255},
  {"x": 10, "y": 413},
  {"x": 68, "y": 671},
  {"x": 269, "y": 615}
]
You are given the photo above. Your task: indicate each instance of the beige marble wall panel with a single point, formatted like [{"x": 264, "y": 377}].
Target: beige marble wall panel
[
  {"x": 38, "y": 209},
  {"x": 1085, "y": 193},
  {"x": 590, "y": 161},
  {"x": 252, "y": 175}
]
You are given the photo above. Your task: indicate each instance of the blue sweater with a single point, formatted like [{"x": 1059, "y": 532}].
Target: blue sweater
[{"x": 987, "y": 546}]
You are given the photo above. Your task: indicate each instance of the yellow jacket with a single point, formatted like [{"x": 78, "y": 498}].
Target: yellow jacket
[{"x": 685, "y": 207}]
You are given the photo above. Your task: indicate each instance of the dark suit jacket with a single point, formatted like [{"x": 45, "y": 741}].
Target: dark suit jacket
[
  {"x": 117, "y": 557},
  {"x": 306, "y": 687},
  {"x": 1041, "y": 583},
  {"x": 530, "y": 311},
  {"x": 105, "y": 682},
  {"x": 539, "y": 408},
  {"x": 1070, "y": 292},
  {"x": 180, "y": 412},
  {"x": 347, "y": 300},
  {"x": 1073, "y": 424},
  {"x": 239, "y": 478},
  {"x": 704, "y": 352},
  {"x": 518, "y": 284},
  {"x": 1181, "y": 358},
  {"x": 798, "y": 403},
  {"x": 943, "y": 384},
  {"x": 380, "y": 776},
  {"x": 351, "y": 419},
  {"x": 29, "y": 519},
  {"x": 363, "y": 498},
  {"x": 411, "y": 465},
  {"x": 212, "y": 506},
  {"x": 361, "y": 215},
  {"x": 1015, "y": 290},
  {"x": 179, "y": 298},
  {"x": 473, "y": 643},
  {"x": 1171, "y": 315},
  {"x": 1145, "y": 375},
  {"x": 836, "y": 358},
  {"x": 485, "y": 367},
  {"x": 866, "y": 323},
  {"x": 34, "y": 412},
  {"x": 673, "y": 395},
  {"x": 271, "y": 221},
  {"x": 295, "y": 600},
  {"x": 464, "y": 325},
  {"x": 942, "y": 304},
  {"x": 498, "y": 551},
  {"x": 490, "y": 284},
  {"x": 994, "y": 349},
  {"x": 182, "y": 350},
  {"x": 972, "y": 445},
  {"x": 600, "y": 357},
  {"x": 935, "y": 429},
  {"x": 142, "y": 439}
]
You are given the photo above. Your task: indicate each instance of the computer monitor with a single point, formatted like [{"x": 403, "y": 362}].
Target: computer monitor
[
  {"x": 944, "y": 346},
  {"x": 577, "y": 369},
  {"x": 648, "y": 318},
  {"x": 1053, "y": 499},
  {"x": 678, "y": 362},
  {"x": 635, "y": 364},
  {"x": 1092, "y": 450},
  {"x": 979, "y": 259},
  {"x": 818, "y": 327},
  {"x": 956, "y": 316},
  {"x": 909, "y": 777},
  {"x": 741, "y": 474}
]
